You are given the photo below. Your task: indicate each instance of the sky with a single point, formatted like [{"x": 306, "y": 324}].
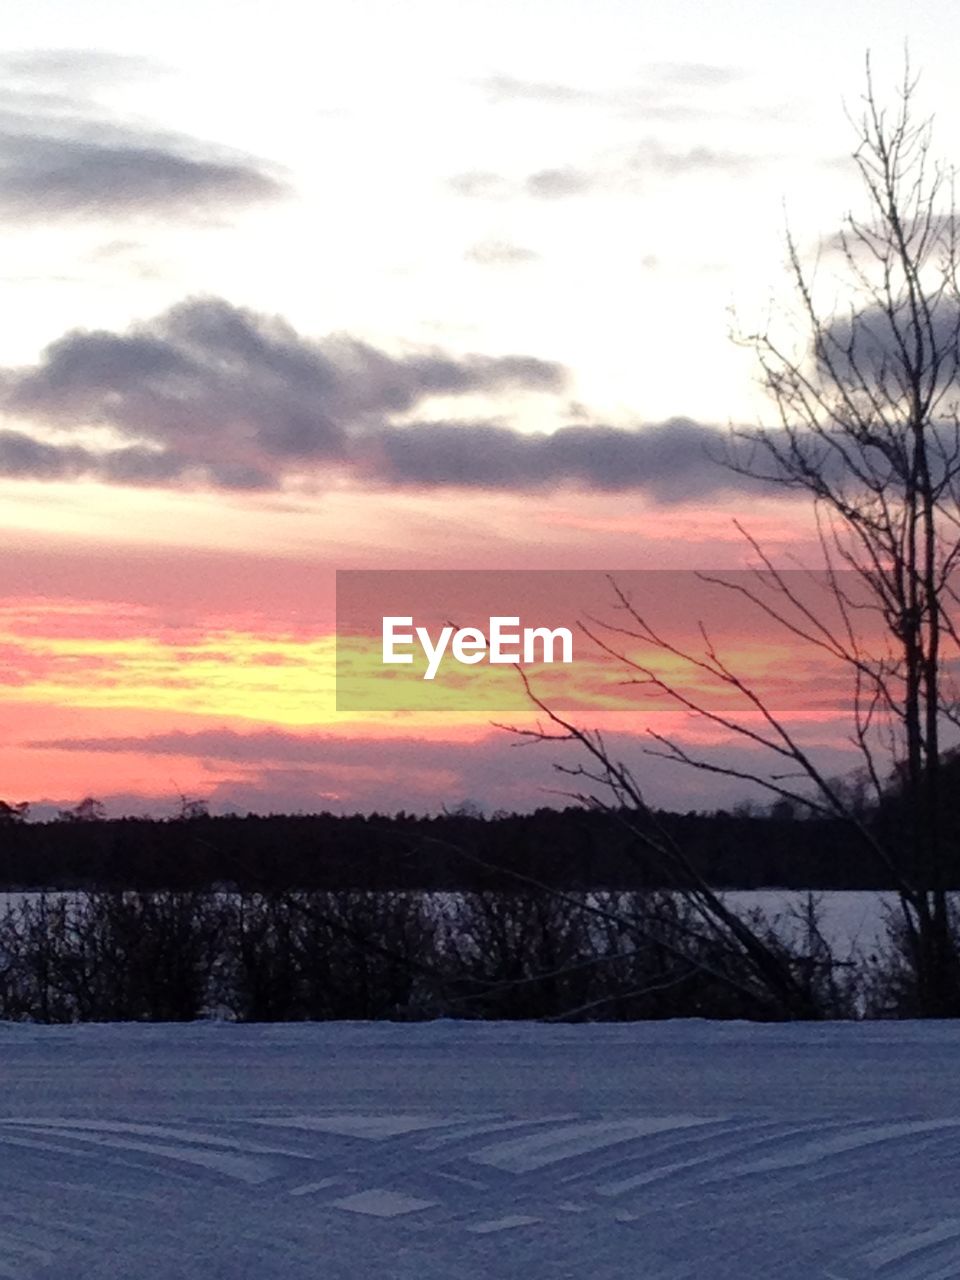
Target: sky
[{"x": 301, "y": 287}]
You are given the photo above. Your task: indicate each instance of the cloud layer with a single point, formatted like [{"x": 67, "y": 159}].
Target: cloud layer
[
  {"x": 208, "y": 393},
  {"x": 70, "y": 177},
  {"x": 671, "y": 461},
  {"x": 64, "y": 156},
  {"x": 211, "y": 395},
  {"x": 648, "y": 161},
  {"x": 279, "y": 772},
  {"x": 663, "y": 90}
]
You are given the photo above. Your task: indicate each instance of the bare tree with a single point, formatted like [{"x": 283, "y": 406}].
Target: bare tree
[{"x": 869, "y": 430}]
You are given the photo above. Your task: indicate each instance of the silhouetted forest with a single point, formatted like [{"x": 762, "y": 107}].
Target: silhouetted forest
[{"x": 573, "y": 848}]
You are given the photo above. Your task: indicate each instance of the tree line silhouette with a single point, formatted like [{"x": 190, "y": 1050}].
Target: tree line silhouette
[{"x": 574, "y": 848}]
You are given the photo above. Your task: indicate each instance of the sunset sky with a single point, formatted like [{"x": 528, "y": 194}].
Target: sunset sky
[{"x": 301, "y": 287}]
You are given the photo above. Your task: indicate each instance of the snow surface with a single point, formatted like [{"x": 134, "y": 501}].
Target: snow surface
[{"x": 454, "y": 1151}]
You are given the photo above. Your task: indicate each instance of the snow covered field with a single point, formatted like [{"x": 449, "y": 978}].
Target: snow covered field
[{"x": 452, "y": 1151}]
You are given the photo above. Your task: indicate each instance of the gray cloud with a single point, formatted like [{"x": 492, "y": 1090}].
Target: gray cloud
[
  {"x": 83, "y": 68},
  {"x": 551, "y": 184},
  {"x": 500, "y": 253},
  {"x": 289, "y": 771},
  {"x": 273, "y": 745},
  {"x": 44, "y": 177},
  {"x": 865, "y": 348},
  {"x": 703, "y": 74},
  {"x": 503, "y": 88},
  {"x": 480, "y": 183},
  {"x": 285, "y": 772},
  {"x": 63, "y": 155},
  {"x": 209, "y": 393},
  {"x": 671, "y": 461},
  {"x": 667, "y": 90},
  {"x": 543, "y": 184},
  {"x": 650, "y": 159},
  {"x": 21, "y": 456}
]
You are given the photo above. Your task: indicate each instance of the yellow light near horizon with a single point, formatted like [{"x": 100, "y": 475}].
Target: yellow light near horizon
[
  {"x": 280, "y": 681},
  {"x": 276, "y": 681}
]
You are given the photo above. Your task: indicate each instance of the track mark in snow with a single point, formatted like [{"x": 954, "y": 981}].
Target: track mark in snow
[
  {"x": 38, "y": 1144},
  {"x": 814, "y": 1151},
  {"x": 174, "y": 1133},
  {"x": 464, "y": 1182},
  {"x": 949, "y": 1272},
  {"x": 377, "y": 1203},
  {"x": 309, "y": 1188},
  {"x": 503, "y": 1224},
  {"x": 466, "y": 1129},
  {"x": 536, "y": 1151},
  {"x": 659, "y": 1174},
  {"x": 376, "y": 1127},
  {"x": 908, "y": 1246},
  {"x": 716, "y": 1146},
  {"x": 242, "y": 1168}
]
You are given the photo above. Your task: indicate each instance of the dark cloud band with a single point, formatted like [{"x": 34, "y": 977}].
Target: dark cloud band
[
  {"x": 72, "y": 177},
  {"x": 211, "y": 395},
  {"x": 671, "y": 461},
  {"x": 63, "y": 155}
]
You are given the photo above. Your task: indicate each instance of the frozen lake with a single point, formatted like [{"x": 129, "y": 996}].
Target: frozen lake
[{"x": 849, "y": 917}]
